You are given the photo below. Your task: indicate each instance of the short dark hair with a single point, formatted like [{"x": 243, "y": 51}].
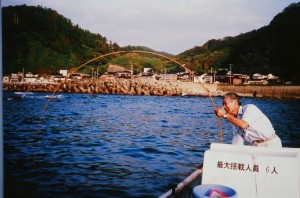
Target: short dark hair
[{"x": 233, "y": 96}]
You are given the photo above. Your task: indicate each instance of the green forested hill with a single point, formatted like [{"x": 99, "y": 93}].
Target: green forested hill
[
  {"x": 42, "y": 41},
  {"x": 273, "y": 48}
]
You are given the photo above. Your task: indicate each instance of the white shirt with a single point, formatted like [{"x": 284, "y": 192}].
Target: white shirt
[{"x": 259, "y": 127}]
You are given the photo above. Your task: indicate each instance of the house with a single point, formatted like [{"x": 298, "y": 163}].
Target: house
[
  {"x": 223, "y": 76},
  {"x": 118, "y": 71},
  {"x": 258, "y": 76},
  {"x": 147, "y": 76},
  {"x": 264, "y": 79},
  {"x": 19, "y": 77},
  {"x": 113, "y": 69},
  {"x": 123, "y": 74},
  {"x": 238, "y": 79},
  {"x": 272, "y": 80},
  {"x": 30, "y": 77},
  {"x": 63, "y": 72},
  {"x": 208, "y": 79},
  {"x": 184, "y": 76},
  {"x": 57, "y": 78},
  {"x": 168, "y": 77},
  {"x": 75, "y": 76},
  {"x": 147, "y": 69}
]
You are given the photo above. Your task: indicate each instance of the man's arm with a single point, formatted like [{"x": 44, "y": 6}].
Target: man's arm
[{"x": 236, "y": 121}]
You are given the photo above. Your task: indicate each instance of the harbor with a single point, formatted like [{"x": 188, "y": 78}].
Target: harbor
[{"x": 155, "y": 88}]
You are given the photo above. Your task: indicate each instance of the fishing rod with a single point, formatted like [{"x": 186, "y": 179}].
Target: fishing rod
[{"x": 146, "y": 52}]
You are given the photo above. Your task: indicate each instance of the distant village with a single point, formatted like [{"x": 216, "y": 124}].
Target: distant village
[{"x": 223, "y": 76}]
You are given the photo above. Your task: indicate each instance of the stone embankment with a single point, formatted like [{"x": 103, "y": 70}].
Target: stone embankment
[
  {"x": 259, "y": 91},
  {"x": 94, "y": 86},
  {"x": 155, "y": 88}
]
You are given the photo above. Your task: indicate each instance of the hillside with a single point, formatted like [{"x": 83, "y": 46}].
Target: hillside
[
  {"x": 273, "y": 48},
  {"x": 42, "y": 41}
]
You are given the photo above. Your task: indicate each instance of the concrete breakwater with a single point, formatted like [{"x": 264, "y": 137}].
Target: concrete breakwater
[
  {"x": 259, "y": 91},
  {"x": 263, "y": 91},
  {"x": 97, "y": 86},
  {"x": 155, "y": 88}
]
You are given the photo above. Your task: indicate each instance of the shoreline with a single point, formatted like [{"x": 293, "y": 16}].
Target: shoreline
[
  {"x": 156, "y": 88},
  {"x": 253, "y": 91}
]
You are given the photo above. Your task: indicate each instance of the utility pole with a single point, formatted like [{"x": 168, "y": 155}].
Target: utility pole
[
  {"x": 214, "y": 80},
  {"x": 230, "y": 73},
  {"x": 99, "y": 65},
  {"x": 131, "y": 70},
  {"x": 212, "y": 75},
  {"x": 92, "y": 71}
]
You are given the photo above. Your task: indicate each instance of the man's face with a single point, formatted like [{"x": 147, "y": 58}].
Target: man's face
[{"x": 229, "y": 105}]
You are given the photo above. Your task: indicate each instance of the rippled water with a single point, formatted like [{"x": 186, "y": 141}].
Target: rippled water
[{"x": 114, "y": 145}]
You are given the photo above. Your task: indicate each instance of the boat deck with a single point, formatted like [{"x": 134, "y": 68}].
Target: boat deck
[{"x": 185, "y": 188}]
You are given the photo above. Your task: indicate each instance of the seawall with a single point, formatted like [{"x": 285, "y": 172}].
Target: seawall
[
  {"x": 101, "y": 86},
  {"x": 260, "y": 91},
  {"x": 157, "y": 88}
]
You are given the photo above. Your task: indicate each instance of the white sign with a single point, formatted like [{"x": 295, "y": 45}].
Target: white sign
[{"x": 253, "y": 171}]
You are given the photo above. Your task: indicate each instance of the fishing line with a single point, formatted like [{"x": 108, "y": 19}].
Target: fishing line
[
  {"x": 56, "y": 89},
  {"x": 191, "y": 73},
  {"x": 211, "y": 99},
  {"x": 58, "y": 86}
]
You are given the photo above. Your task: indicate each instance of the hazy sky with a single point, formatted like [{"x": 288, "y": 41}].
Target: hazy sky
[{"x": 172, "y": 26}]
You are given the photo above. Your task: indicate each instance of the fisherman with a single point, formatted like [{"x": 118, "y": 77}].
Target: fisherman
[{"x": 249, "y": 122}]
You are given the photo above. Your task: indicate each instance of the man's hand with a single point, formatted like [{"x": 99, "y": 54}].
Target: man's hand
[{"x": 220, "y": 112}]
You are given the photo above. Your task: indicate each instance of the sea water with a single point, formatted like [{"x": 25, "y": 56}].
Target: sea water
[{"x": 81, "y": 145}]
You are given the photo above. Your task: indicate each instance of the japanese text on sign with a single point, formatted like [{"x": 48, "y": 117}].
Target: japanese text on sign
[{"x": 244, "y": 167}]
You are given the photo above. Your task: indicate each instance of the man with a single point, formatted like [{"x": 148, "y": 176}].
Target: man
[{"x": 249, "y": 122}]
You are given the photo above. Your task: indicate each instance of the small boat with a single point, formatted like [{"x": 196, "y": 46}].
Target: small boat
[
  {"x": 23, "y": 93},
  {"x": 185, "y": 188},
  {"x": 19, "y": 95},
  {"x": 53, "y": 97},
  {"x": 50, "y": 97}
]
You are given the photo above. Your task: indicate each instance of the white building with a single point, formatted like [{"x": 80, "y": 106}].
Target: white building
[
  {"x": 63, "y": 72},
  {"x": 5, "y": 79}
]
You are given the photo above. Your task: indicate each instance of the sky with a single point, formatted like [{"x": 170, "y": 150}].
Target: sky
[{"x": 172, "y": 26}]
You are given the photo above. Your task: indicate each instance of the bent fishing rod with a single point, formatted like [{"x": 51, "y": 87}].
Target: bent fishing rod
[{"x": 146, "y": 52}]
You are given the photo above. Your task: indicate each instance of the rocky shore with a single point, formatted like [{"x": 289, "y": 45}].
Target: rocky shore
[
  {"x": 155, "y": 88},
  {"x": 101, "y": 86}
]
